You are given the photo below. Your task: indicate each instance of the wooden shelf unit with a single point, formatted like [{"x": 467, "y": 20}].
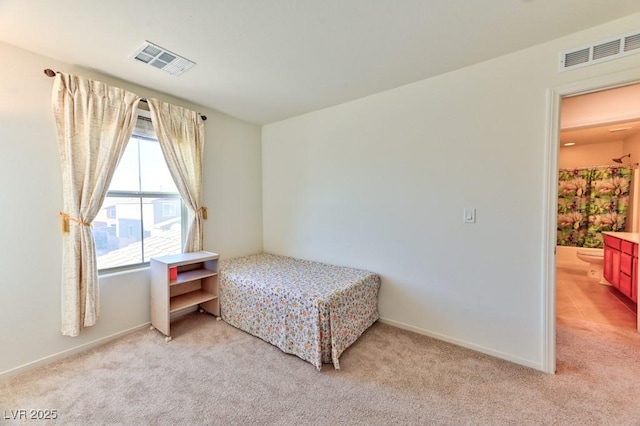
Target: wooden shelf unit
[{"x": 195, "y": 283}]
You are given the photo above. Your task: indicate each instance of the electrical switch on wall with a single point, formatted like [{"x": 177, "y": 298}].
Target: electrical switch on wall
[{"x": 469, "y": 215}]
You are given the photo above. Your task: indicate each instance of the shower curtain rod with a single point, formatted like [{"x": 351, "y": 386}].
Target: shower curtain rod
[
  {"x": 617, "y": 166},
  {"x": 51, "y": 73}
]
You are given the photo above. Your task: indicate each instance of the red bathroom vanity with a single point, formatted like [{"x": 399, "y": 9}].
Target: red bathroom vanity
[{"x": 621, "y": 262}]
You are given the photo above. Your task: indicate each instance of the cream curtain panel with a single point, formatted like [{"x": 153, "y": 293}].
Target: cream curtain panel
[
  {"x": 181, "y": 135},
  {"x": 94, "y": 122}
]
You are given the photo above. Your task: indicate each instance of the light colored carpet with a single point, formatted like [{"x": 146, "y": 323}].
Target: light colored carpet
[{"x": 212, "y": 373}]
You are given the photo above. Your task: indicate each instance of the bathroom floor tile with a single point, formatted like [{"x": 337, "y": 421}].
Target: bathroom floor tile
[{"x": 578, "y": 296}]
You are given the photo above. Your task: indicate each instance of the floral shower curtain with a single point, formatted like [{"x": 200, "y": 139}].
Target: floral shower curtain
[{"x": 591, "y": 201}]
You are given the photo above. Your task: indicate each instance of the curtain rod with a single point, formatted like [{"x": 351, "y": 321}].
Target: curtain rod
[
  {"x": 632, "y": 166},
  {"x": 51, "y": 73}
]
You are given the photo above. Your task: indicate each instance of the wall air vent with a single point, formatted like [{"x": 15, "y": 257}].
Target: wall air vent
[
  {"x": 606, "y": 49},
  {"x": 161, "y": 58},
  {"x": 601, "y": 51},
  {"x": 578, "y": 57},
  {"x": 632, "y": 42}
]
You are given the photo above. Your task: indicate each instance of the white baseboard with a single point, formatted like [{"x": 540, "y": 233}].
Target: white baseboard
[
  {"x": 85, "y": 347},
  {"x": 72, "y": 351},
  {"x": 465, "y": 344},
  {"x": 102, "y": 341}
]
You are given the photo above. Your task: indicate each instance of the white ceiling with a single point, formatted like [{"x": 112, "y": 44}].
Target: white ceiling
[{"x": 267, "y": 60}]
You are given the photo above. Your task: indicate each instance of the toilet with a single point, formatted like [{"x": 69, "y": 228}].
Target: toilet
[{"x": 595, "y": 258}]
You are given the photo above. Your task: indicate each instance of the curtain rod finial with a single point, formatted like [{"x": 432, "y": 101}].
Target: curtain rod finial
[{"x": 49, "y": 72}]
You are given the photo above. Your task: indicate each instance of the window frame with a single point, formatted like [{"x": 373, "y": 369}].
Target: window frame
[{"x": 141, "y": 195}]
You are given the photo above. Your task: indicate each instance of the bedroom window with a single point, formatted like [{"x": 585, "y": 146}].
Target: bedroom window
[{"x": 142, "y": 214}]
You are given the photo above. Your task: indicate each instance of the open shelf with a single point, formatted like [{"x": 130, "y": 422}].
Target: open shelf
[
  {"x": 192, "y": 275},
  {"x": 190, "y": 299}
]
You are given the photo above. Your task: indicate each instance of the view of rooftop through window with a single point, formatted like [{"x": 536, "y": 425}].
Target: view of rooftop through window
[{"x": 141, "y": 215}]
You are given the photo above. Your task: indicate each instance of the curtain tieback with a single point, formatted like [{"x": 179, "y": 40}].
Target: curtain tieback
[
  {"x": 65, "y": 222},
  {"x": 202, "y": 209}
]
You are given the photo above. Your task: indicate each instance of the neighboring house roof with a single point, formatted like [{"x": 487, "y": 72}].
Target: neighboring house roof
[{"x": 168, "y": 242}]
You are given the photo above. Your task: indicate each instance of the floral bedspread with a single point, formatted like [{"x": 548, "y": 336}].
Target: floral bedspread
[{"x": 309, "y": 309}]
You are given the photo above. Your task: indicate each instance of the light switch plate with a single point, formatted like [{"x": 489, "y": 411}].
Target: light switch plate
[{"x": 469, "y": 215}]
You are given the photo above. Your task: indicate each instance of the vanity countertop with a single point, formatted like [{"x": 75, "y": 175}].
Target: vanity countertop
[{"x": 633, "y": 237}]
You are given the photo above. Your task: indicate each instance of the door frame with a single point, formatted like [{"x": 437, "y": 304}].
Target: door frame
[{"x": 550, "y": 196}]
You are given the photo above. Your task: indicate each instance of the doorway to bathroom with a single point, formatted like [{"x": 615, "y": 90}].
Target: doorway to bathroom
[{"x": 598, "y": 191}]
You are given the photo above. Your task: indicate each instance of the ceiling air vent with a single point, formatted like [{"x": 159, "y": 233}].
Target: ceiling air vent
[
  {"x": 601, "y": 51},
  {"x": 161, "y": 58}
]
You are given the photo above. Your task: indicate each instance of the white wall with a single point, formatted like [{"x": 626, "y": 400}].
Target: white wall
[
  {"x": 590, "y": 155},
  {"x": 613, "y": 105},
  {"x": 381, "y": 183},
  {"x": 632, "y": 146},
  {"x": 566, "y": 257},
  {"x": 30, "y": 184}
]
